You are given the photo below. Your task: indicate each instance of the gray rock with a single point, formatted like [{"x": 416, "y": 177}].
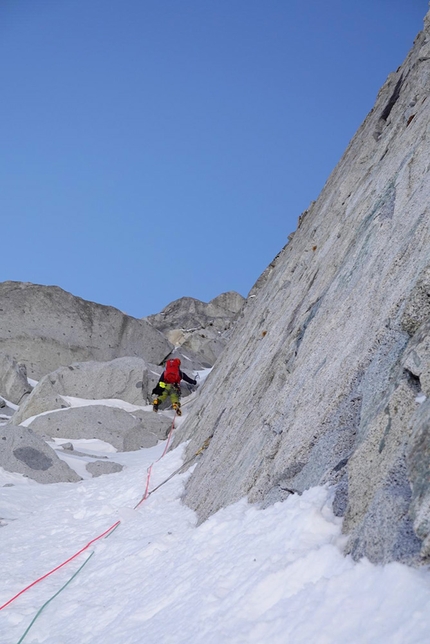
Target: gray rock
[
  {"x": 319, "y": 380},
  {"x": 198, "y": 327},
  {"x": 155, "y": 424},
  {"x": 99, "y": 468},
  {"x": 44, "y": 397},
  {"x": 187, "y": 313},
  {"x": 379, "y": 493},
  {"x": 129, "y": 379},
  {"x": 419, "y": 474},
  {"x": 45, "y": 328},
  {"x": 207, "y": 344},
  {"x": 13, "y": 379},
  {"x": 230, "y": 301},
  {"x": 24, "y": 452},
  {"x": 6, "y": 412},
  {"x": 123, "y": 378},
  {"x": 109, "y": 424},
  {"x": 139, "y": 437},
  {"x": 417, "y": 356},
  {"x": 417, "y": 306}
]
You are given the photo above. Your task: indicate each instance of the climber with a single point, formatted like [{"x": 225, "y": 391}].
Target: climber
[{"x": 169, "y": 384}]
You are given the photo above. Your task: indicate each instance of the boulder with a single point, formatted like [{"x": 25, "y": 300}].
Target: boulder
[
  {"x": 44, "y": 397},
  {"x": 26, "y": 453},
  {"x": 138, "y": 437},
  {"x": 99, "y": 468},
  {"x": 128, "y": 379},
  {"x": 13, "y": 379},
  {"x": 45, "y": 327},
  {"x": 115, "y": 426},
  {"x": 157, "y": 424},
  {"x": 122, "y": 378}
]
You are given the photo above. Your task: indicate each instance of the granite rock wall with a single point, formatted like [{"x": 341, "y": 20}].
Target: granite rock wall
[{"x": 325, "y": 377}]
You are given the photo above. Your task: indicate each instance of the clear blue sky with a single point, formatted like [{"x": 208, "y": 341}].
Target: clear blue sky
[{"x": 152, "y": 149}]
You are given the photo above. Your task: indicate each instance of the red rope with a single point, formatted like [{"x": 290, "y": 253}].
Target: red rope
[
  {"x": 105, "y": 533},
  {"x": 60, "y": 566},
  {"x": 149, "y": 470}
]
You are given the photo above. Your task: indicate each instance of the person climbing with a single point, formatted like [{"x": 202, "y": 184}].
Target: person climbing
[{"x": 169, "y": 384}]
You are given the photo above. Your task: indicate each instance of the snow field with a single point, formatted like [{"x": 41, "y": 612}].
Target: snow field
[{"x": 273, "y": 576}]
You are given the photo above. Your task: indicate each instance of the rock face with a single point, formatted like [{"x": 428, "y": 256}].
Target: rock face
[
  {"x": 199, "y": 327},
  {"x": 45, "y": 327},
  {"x": 322, "y": 377}
]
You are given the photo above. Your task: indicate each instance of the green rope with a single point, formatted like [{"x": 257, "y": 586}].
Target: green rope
[
  {"x": 204, "y": 446},
  {"x": 53, "y": 597}
]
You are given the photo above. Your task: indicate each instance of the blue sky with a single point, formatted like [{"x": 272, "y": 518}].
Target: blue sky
[{"x": 152, "y": 149}]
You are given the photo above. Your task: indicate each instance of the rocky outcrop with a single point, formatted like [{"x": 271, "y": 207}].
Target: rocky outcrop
[
  {"x": 322, "y": 379},
  {"x": 24, "y": 452},
  {"x": 199, "y": 327},
  {"x": 187, "y": 313},
  {"x": 44, "y": 397},
  {"x": 14, "y": 385},
  {"x": 115, "y": 426},
  {"x": 45, "y": 327},
  {"x": 129, "y": 379}
]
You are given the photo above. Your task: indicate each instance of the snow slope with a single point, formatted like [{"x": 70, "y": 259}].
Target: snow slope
[{"x": 246, "y": 575}]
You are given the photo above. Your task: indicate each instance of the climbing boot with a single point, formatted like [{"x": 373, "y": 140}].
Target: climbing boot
[
  {"x": 155, "y": 404},
  {"x": 177, "y": 408}
]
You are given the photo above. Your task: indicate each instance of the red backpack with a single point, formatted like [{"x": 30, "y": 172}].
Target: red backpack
[{"x": 172, "y": 374}]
